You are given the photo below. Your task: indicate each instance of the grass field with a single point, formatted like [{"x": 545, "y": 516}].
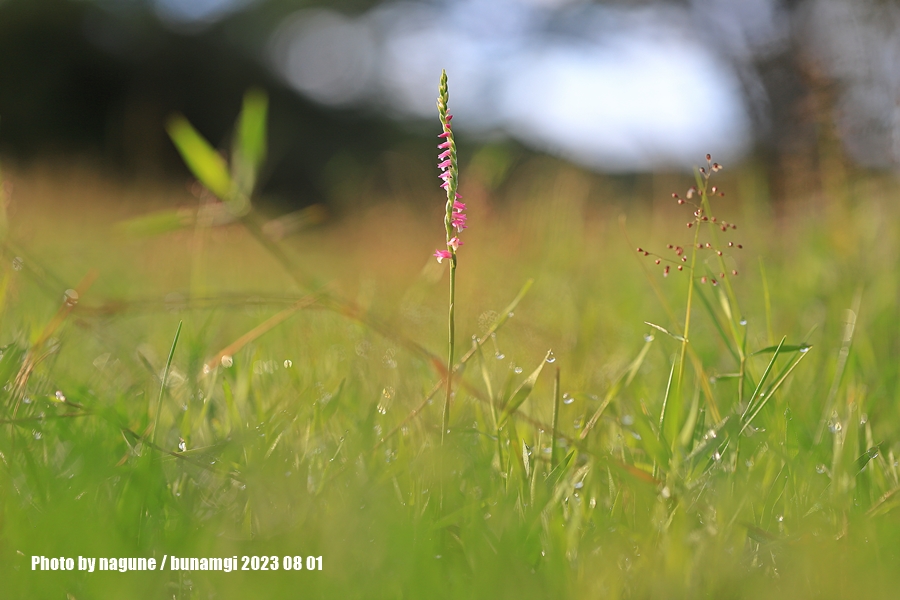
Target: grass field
[{"x": 762, "y": 475}]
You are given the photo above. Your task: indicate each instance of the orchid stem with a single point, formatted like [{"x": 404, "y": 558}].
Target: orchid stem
[{"x": 445, "y": 424}]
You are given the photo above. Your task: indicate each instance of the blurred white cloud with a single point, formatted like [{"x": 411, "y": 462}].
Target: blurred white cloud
[
  {"x": 325, "y": 55},
  {"x": 612, "y": 88}
]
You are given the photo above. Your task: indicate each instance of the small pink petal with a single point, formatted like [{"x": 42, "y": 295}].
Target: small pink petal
[
  {"x": 445, "y": 185},
  {"x": 446, "y": 134},
  {"x": 440, "y": 255},
  {"x": 458, "y": 195},
  {"x": 458, "y": 221},
  {"x": 446, "y": 175},
  {"x": 444, "y": 154},
  {"x": 449, "y": 118},
  {"x": 446, "y": 164},
  {"x": 459, "y": 206},
  {"x": 455, "y": 243},
  {"x": 444, "y": 145}
]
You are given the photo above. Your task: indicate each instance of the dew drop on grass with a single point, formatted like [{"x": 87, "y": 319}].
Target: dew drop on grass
[
  {"x": 835, "y": 427},
  {"x": 567, "y": 399},
  {"x": 499, "y": 356},
  {"x": 804, "y": 349},
  {"x": 37, "y": 435},
  {"x": 518, "y": 370},
  {"x": 60, "y": 397},
  {"x": 780, "y": 518},
  {"x": 227, "y": 361},
  {"x": 18, "y": 263},
  {"x": 863, "y": 419},
  {"x": 820, "y": 468},
  {"x": 627, "y": 420},
  {"x": 206, "y": 369},
  {"x": 70, "y": 297},
  {"x": 288, "y": 363},
  {"x": 579, "y": 485},
  {"x": 551, "y": 358},
  {"x": 717, "y": 456},
  {"x": 648, "y": 337},
  {"x": 511, "y": 315},
  {"x": 743, "y": 322},
  {"x": 788, "y": 414}
]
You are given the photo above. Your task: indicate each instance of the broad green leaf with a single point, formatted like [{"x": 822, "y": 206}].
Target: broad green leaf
[{"x": 205, "y": 163}]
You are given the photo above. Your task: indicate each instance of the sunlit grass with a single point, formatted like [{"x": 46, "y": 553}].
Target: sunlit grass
[{"x": 308, "y": 443}]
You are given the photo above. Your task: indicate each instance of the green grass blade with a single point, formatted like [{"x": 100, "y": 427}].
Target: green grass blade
[
  {"x": 524, "y": 390},
  {"x": 652, "y": 442},
  {"x": 665, "y": 331},
  {"x": 162, "y": 384},
  {"x": 767, "y": 299},
  {"x": 554, "y": 427},
  {"x": 762, "y": 381},
  {"x": 205, "y": 163},
  {"x": 783, "y": 349},
  {"x": 666, "y": 420},
  {"x": 252, "y": 127},
  {"x": 715, "y": 320}
]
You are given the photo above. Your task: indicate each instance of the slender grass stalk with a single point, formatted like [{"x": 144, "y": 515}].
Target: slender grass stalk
[{"x": 687, "y": 311}]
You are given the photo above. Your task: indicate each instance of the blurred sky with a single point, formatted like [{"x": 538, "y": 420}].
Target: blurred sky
[{"x": 615, "y": 86}]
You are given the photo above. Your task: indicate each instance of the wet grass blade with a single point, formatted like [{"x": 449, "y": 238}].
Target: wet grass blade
[
  {"x": 665, "y": 331},
  {"x": 524, "y": 390},
  {"x": 755, "y": 410},
  {"x": 162, "y": 384},
  {"x": 783, "y": 349}
]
